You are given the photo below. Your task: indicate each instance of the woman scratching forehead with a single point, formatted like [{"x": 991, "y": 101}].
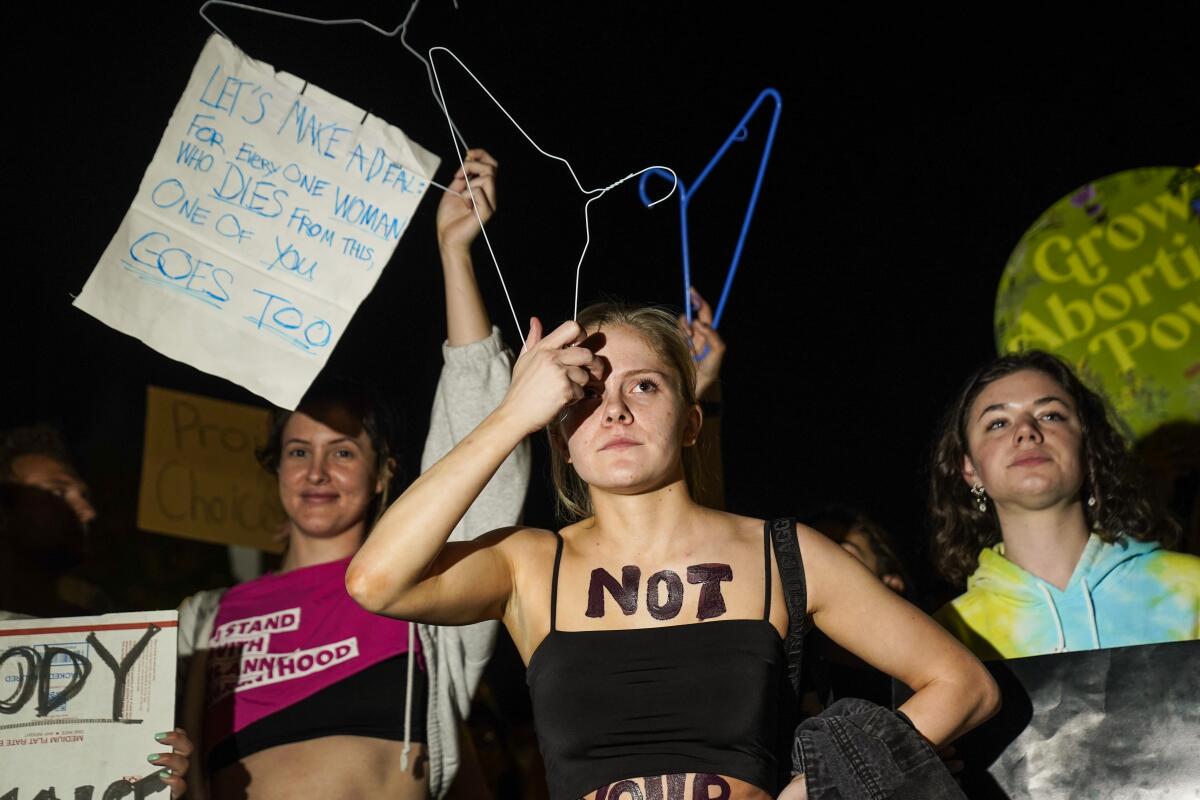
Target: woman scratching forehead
[
  {"x": 634, "y": 418},
  {"x": 631, "y": 615}
]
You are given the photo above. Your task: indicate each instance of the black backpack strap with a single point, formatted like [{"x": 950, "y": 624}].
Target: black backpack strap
[{"x": 791, "y": 574}]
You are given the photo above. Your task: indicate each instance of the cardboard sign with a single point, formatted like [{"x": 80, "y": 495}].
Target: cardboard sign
[
  {"x": 265, "y": 217},
  {"x": 200, "y": 477},
  {"x": 80, "y": 701}
]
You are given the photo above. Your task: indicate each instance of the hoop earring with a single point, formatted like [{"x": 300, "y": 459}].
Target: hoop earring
[{"x": 980, "y": 497}]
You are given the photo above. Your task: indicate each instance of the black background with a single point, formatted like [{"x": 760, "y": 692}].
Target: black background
[{"x": 914, "y": 150}]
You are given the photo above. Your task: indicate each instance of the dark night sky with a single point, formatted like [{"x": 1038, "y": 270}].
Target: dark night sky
[{"x": 913, "y": 152}]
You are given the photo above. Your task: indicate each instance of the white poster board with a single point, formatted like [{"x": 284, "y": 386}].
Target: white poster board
[
  {"x": 265, "y": 217},
  {"x": 80, "y": 701}
]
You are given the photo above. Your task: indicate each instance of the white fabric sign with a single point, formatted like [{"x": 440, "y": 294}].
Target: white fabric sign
[
  {"x": 265, "y": 217},
  {"x": 80, "y": 701}
]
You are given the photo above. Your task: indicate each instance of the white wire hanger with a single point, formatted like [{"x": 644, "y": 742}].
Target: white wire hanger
[
  {"x": 593, "y": 194},
  {"x": 401, "y": 29},
  {"x": 460, "y": 143}
]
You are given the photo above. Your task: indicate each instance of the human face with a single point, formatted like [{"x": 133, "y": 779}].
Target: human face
[
  {"x": 58, "y": 478},
  {"x": 327, "y": 472},
  {"x": 857, "y": 544},
  {"x": 1025, "y": 442},
  {"x": 628, "y": 431}
]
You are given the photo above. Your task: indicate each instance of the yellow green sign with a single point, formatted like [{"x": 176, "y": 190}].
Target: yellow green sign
[{"x": 1109, "y": 279}]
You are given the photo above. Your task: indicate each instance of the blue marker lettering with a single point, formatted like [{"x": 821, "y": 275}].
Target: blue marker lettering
[
  {"x": 355, "y": 210},
  {"x": 262, "y": 107},
  {"x": 230, "y": 227},
  {"x": 309, "y": 227},
  {"x": 310, "y": 183},
  {"x": 247, "y": 154},
  {"x": 308, "y": 128},
  {"x": 226, "y": 96},
  {"x": 290, "y": 259},
  {"x": 213, "y": 274},
  {"x": 205, "y": 134},
  {"x": 267, "y": 306},
  {"x": 261, "y": 197},
  {"x": 167, "y": 193},
  {"x": 163, "y": 258},
  {"x": 194, "y": 157},
  {"x": 398, "y": 176},
  {"x": 355, "y": 248},
  {"x": 279, "y": 318},
  {"x": 170, "y": 193},
  {"x": 288, "y": 318},
  {"x": 320, "y": 341},
  {"x": 134, "y": 249}
]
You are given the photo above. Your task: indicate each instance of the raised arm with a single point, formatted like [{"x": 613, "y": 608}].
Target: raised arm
[
  {"x": 478, "y": 366},
  {"x": 466, "y": 316},
  {"x": 953, "y": 691},
  {"x": 406, "y": 569},
  {"x": 706, "y": 341}
]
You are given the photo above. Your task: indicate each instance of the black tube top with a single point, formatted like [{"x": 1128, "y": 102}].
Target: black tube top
[{"x": 703, "y": 697}]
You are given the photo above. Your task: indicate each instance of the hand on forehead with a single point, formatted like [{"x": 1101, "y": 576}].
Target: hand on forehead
[{"x": 622, "y": 349}]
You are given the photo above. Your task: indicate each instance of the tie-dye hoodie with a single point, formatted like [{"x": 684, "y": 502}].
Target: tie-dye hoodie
[{"x": 1124, "y": 593}]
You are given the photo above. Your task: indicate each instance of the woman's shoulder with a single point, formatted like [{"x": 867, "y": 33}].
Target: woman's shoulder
[
  {"x": 520, "y": 540},
  {"x": 1174, "y": 567},
  {"x": 743, "y": 527}
]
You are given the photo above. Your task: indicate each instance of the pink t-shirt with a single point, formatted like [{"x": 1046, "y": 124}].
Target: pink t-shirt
[{"x": 281, "y": 638}]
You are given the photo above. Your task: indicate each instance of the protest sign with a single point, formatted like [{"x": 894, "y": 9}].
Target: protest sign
[
  {"x": 1107, "y": 278},
  {"x": 81, "y": 700},
  {"x": 265, "y": 217},
  {"x": 200, "y": 477},
  {"x": 1116, "y": 723}
]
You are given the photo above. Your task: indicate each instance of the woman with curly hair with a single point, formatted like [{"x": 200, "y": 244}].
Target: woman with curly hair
[{"x": 1038, "y": 507}]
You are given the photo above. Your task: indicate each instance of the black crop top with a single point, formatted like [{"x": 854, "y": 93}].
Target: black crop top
[
  {"x": 365, "y": 704},
  {"x": 702, "y": 697}
]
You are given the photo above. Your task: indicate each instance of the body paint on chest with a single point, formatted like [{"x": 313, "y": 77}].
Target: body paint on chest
[
  {"x": 625, "y": 592},
  {"x": 712, "y": 604},
  {"x": 676, "y": 786}
]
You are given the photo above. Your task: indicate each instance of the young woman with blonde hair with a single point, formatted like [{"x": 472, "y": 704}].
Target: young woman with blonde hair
[{"x": 652, "y": 627}]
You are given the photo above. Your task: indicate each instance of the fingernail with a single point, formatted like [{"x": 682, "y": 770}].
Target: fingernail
[
  {"x": 159, "y": 737},
  {"x": 166, "y": 773},
  {"x": 153, "y": 757}
]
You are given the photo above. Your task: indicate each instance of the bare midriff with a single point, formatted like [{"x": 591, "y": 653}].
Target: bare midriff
[
  {"x": 331, "y": 767},
  {"x": 686, "y": 786}
]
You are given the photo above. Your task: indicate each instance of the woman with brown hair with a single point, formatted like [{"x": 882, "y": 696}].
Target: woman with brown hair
[
  {"x": 652, "y": 627},
  {"x": 1037, "y": 506},
  {"x": 293, "y": 689}
]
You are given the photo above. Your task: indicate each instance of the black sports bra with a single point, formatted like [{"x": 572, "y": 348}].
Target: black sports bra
[
  {"x": 367, "y": 703},
  {"x": 703, "y": 697}
]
